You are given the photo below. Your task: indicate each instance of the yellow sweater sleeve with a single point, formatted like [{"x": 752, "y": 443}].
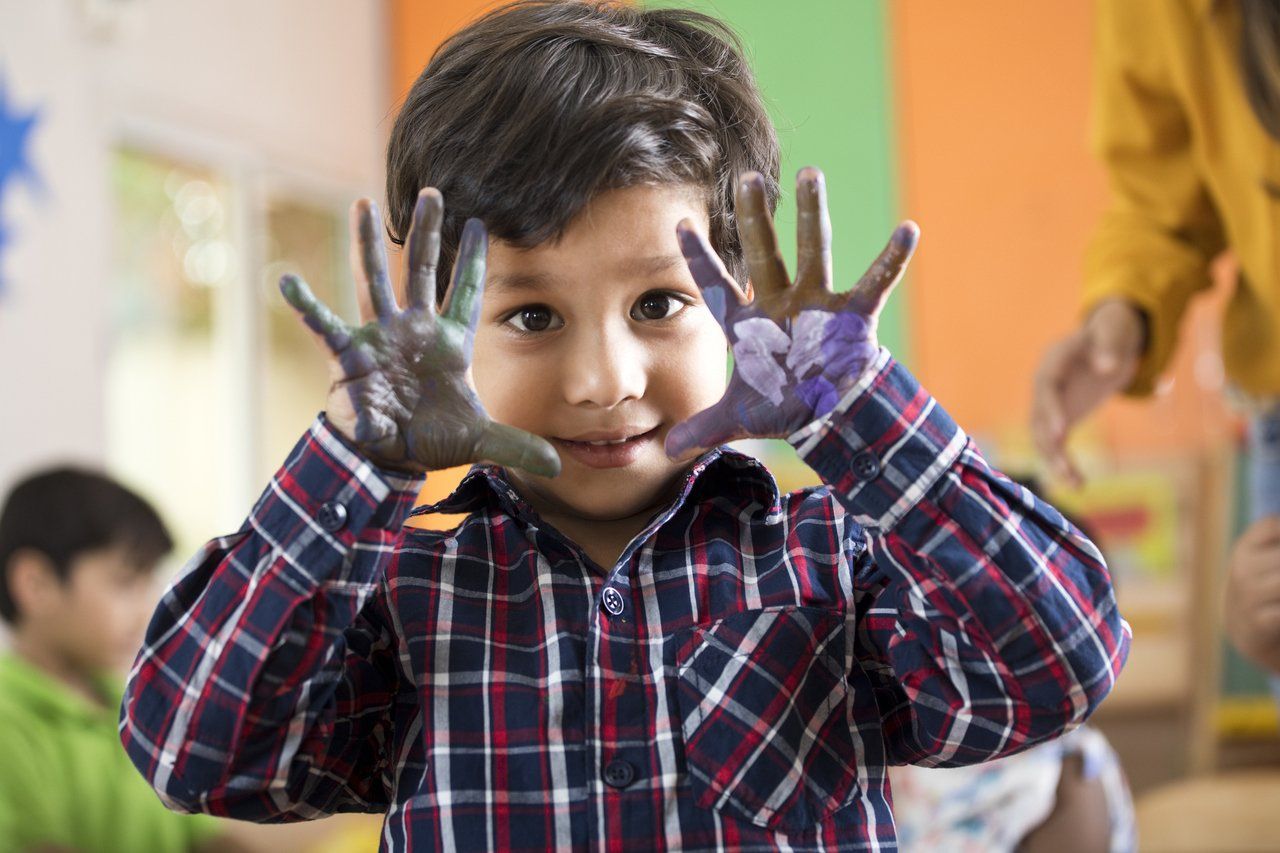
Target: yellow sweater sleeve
[{"x": 1160, "y": 232}]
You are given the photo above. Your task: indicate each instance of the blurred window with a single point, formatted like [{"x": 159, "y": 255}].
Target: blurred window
[
  {"x": 309, "y": 240},
  {"x": 211, "y": 378}
]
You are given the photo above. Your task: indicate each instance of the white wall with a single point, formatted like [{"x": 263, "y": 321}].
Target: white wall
[{"x": 295, "y": 88}]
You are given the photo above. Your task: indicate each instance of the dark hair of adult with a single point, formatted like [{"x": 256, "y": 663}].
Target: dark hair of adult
[
  {"x": 65, "y": 512},
  {"x": 1260, "y": 60},
  {"x": 524, "y": 116}
]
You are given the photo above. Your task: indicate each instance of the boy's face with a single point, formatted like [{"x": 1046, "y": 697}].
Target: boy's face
[
  {"x": 601, "y": 334},
  {"x": 95, "y": 618}
]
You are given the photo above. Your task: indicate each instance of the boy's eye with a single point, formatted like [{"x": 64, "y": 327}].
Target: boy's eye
[
  {"x": 656, "y": 306},
  {"x": 535, "y": 318}
]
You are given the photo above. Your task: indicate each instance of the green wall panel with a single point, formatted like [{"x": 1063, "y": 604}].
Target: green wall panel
[{"x": 823, "y": 68}]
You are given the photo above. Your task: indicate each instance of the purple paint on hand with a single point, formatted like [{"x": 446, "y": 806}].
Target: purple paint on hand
[
  {"x": 759, "y": 339},
  {"x": 714, "y": 297},
  {"x": 808, "y": 331},
  {"x": 847, "y": 348},
  {"x": 819, "y": 395}
]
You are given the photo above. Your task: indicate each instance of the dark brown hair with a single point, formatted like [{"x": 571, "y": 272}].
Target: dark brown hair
[
  {"x": 65, "y": 512},
  {"x": 1260, "y": 60},
  {"x": 524, "y": 116}
]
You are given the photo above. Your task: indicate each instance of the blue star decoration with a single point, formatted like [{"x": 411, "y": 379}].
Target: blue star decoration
[{"x": 15, "y": 163}]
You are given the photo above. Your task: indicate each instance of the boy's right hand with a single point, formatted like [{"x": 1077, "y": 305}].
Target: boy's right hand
[
  {"x": 1078, "y": 373},
  {"x": 401, "y": 391}
]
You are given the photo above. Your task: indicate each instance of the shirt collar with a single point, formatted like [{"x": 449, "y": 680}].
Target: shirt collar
[
  {"x": 718, "y": 470},
  {"x": 43, "y": 695}
]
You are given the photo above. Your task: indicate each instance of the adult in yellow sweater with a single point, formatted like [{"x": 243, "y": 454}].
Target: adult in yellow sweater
[{"x": 1187, "y": 124}]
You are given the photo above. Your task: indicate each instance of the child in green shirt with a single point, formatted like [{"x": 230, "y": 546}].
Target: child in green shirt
[{"x": 77, "y": 552}]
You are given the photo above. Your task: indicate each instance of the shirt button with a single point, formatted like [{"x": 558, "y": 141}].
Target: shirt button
[
  {"x": 613, "y": 600},
  {"x": 866, "y": 465},
  {"x": 619, "y": 773},
  {"x": 332, "y": 516}
]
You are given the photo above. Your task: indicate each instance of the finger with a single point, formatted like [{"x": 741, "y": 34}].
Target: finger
[
  {"x": 759, "y": 241},
  {"x": 1267, "y": 619},
  {"x": 1264, "y": 531},
  {"x": 315, "y": 313},
  {"x": 1049, "y": 422},
  {"x": 1266, "y": 585},
  {"x": 1060, "y": 462},
  {"x": 719, "y": 289},
  {"x": 869, "y": 294},
  {"x": 515, "y": 448},
  {"x": 369, "y": 261},
  {"x": 1048, "y": 409},
  {"x": 423, "y": 251},
  {"x": 813, "y": 231},
  {"x": 708, "y": 428},
  {"x": 1066, "y": 469},
  {"x": 462, "y": 302}
]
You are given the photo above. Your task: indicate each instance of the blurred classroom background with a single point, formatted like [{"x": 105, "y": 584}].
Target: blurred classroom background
[{"x": 161, "y": 164}]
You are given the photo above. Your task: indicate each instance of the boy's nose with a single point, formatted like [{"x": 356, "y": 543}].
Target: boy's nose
[{"x": 604, "y": 368}]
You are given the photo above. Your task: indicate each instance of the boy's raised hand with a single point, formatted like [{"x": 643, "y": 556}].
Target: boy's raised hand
[
  {"x": 401, "y": 390},
  {"x": 798, "y": 347}
]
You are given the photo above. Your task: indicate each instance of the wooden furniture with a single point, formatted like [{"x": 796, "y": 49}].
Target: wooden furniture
[{"x": 1237, "y": 811}]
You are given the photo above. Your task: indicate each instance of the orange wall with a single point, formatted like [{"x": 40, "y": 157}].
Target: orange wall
[
  {"x": 418, "y": 27},
  {"x": 993, "y": 105},
  {"x": 993, "y": 96}
]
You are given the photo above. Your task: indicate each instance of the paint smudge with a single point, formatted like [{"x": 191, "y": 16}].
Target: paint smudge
[
  {"x": 808, "y": 331},
  {"x": 759, "y": 339},
  {"x": 819, "y": 395}
]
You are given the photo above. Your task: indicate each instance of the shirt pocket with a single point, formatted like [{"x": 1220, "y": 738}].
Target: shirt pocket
[{"x": 763, "y": 703}]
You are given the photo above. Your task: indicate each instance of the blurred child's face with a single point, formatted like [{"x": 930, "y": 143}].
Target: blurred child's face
[
  {"x": 601, "y": 335},
  {"x": 94, "y": 619}
]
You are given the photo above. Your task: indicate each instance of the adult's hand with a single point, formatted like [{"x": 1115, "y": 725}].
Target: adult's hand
[{"x": 1078, "y": 373}]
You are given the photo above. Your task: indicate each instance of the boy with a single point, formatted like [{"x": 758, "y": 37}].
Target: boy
[
  {"x": 77, "y": 552},
  {"x": 632, "y": 641}
]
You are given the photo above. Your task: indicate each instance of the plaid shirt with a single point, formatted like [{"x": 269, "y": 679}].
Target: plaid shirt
[{"x": 739, "y": 679}]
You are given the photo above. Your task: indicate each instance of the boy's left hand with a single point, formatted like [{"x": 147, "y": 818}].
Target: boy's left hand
[{"x": 798, "y": 347}]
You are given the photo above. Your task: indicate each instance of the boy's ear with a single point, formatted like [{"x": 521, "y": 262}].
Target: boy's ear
[{"x": 34, "y": 584}]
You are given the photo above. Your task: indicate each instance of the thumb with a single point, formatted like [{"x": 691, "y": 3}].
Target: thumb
[
  {"x": 708, "y": 428},
  {"x": 510, "y": 447}
]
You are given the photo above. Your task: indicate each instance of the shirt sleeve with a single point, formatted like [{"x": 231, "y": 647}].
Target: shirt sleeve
[
  {"x": 985, "y": 621},
  {"x": 266, "y": 685},
  {"x": 1161, "y": 230}
]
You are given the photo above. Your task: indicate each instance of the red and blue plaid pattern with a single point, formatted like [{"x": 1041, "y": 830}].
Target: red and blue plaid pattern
[{"x": 739, "y": 680}]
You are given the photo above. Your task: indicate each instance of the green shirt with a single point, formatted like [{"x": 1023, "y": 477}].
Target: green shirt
[{"x": 65, "y": 778}]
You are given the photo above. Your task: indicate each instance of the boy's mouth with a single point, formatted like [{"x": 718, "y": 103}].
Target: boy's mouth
[{"x": 607, "y": 449}]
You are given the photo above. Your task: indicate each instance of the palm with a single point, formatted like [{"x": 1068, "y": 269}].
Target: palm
[
  {"x": 404, "y": 372},
  {"x": 1084, "y": 387},
  {"x": 798, "y": 347}
]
